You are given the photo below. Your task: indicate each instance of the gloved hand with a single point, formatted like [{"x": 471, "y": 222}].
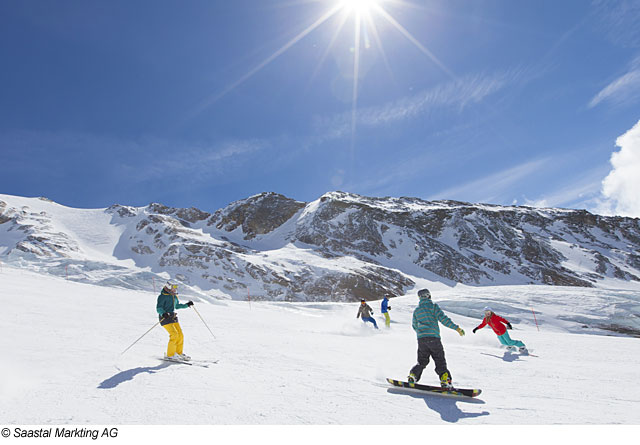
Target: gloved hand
[
  {"x": 389, "y": 308},
  {"x": 189, "y": 303},
  {"x": 509, "y": 326},
  {"x": 165, "y": 315},
  {"x": 474, "y": 330},
  {"x": 460, "y": 331}
]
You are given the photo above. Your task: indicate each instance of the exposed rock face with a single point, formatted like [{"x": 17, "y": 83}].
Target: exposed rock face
[
  {"x": 344, "y": 247},
  {"x": 476, "y": 244},
  {"x": 258, "y": 215}
]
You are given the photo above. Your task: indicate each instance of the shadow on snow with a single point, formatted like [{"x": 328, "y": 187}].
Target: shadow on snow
[
  {"x": 129, "y": 374},
  {"x": 507, "y": 357},
  {"x": 444, "y": 405}
]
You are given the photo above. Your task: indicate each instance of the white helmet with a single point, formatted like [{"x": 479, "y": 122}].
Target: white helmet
[{"x": 171, "y": 286}]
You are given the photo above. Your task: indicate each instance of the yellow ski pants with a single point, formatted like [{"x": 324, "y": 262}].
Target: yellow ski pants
[
  {"x": 387, "y": 319},
  {"x": 176, "y": 339}
]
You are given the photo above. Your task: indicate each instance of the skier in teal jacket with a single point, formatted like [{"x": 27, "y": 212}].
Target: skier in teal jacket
[
  {"x": 425, "y": 322},
  {"x": 166, "y": 308}
]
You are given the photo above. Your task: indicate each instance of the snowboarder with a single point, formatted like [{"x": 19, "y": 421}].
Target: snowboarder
[
  {"x": 384, "y": 309},
  {"x": 498, "y": 323},
  {"x": 425, "y": 322},
  {"x": 365, "y": 311},
  {"x": 166, "y": 307}
]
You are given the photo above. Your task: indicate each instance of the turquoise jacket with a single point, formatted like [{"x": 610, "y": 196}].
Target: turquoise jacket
[
  {"x": 168, "y": 303},
  {"x": 426, "y": 317}
]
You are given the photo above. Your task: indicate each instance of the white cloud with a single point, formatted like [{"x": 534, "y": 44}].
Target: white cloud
[
  {"x": 576, "y": 194},
  {"x": 198, "y": 162},
  {"x": 618, "y": 20},
  {"x": 454, "y": 95},
  {"x": 625, "y": 89},
  {"x": 136, "y": 160},
  {"x": 491, "y": 188},
  {"x": 621, "y": 188}
]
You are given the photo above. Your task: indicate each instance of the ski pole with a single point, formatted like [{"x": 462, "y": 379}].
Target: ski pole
[
  {"x": 205, "y": 323},
  {"x": 140, "y": 338},
  {"x": 536, "y": 320}
]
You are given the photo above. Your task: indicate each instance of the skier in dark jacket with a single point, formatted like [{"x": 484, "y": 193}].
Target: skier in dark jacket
[
  {"x": 499, "y": 326},
  {"x": 425, "y": 322},
  {"x": 166, "y": 308},
  {"x": 365, "y": 312}
]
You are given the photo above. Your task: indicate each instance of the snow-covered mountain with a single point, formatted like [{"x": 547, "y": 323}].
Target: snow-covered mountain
[
  {"x": 290, "y": 363},
  {"x": 341, "y": 247},
  {"x": 78, "y": 290}
]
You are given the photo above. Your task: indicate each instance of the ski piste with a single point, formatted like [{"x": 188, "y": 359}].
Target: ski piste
[
  {"x": 436, "y": 389},
  {"x": 201, "y": 363}
]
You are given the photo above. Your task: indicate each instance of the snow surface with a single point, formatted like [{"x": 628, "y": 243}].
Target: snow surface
[{"x": 306, "y": 363}]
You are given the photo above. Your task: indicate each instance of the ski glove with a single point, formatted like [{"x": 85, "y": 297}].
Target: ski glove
[
  {"x": 460, "y": 331},
  {"x": 474, "y": 330},
  {"x": 389, "y": 308},
  {"x": 190, "y": 303},
  {"x": 509, "y": 326},
  {"x": 165, "y": 315}
]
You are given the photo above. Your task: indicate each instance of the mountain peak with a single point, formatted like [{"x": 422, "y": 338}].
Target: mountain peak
[{"x": 342, "y": 246}]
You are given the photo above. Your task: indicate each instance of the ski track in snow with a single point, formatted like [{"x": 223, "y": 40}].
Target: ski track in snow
[{"x": 301, "y": 363}]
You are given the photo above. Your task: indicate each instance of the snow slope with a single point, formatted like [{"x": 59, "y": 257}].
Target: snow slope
[
  {"x": 301, "y": 363},
  {"x": 340, "y": 247}
]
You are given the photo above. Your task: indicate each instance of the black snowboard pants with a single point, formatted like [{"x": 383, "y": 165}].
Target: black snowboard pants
[{"x": 430, "y": 347}]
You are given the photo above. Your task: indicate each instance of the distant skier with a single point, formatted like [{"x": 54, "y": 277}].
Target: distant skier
[
  {"x": 425, "y": 322},
  {"x": 166, "y": 307},
  {"x": 384, "y": 309},
  {"x": 365, "y": 311},
  {"x": 498, "y": 323}
]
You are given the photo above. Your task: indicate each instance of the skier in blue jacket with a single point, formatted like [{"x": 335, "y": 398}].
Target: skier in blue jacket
[
  {"x": 425, "y": 322},
  {"x": 384, "y": 309}
]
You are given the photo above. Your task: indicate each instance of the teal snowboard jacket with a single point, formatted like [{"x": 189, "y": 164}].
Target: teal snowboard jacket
[
  {"x": 426, "y": 317},
  {"x": 168, "y": 303}
]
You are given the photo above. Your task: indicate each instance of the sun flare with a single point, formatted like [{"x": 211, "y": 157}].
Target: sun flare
[
  {"x": 366, "y": 15},
  {"x": 359, "y": 6}
]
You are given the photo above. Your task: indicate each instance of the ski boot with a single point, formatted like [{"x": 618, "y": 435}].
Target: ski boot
[
  {"x": 172, "y": 358},
  {"x": 445, "y": 381},
  {"x": 412, "y": 378},
  {"x": 523, "y": 349},
  {"x": 183, "y": 357}
]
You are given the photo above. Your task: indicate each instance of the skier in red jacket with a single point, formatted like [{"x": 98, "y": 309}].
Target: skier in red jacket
[{"x": 498, "y": 323}]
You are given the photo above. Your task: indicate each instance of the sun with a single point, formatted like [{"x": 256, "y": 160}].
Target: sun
[
  {"x": 365, "y": 16},
  {"x": 359, "y": 6}
]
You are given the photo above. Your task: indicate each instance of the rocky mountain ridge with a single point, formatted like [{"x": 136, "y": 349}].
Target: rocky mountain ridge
[{"x": 341, "y": 247}]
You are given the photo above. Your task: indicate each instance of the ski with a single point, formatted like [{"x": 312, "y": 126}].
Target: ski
[
  {"x": 523, "y": 353},
  {"x": 436, "y": 389},
  {"x": 201, "y": 363}
]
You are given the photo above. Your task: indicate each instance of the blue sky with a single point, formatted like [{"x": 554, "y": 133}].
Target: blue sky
[{"x": 201, "y": 103}]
